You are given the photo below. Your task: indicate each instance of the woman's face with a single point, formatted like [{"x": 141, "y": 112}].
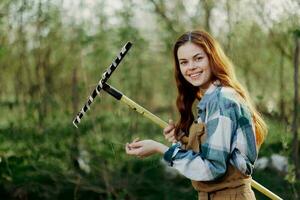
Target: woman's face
[{"x": 194, "y": 65}]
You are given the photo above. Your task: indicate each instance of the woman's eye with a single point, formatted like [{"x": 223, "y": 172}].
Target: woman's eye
[
  {"x": 183, "y": 63},
  {"x": 199, "y": 58}
]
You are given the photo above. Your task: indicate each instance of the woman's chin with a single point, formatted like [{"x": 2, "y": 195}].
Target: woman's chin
[
  {"x": 200, "y": 84},
  {"x": 196, "y": 83}
]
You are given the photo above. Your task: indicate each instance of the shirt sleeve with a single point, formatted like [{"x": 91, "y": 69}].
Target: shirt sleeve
[
  {"x": 244, "y": 151},
  {"x": 211, "y": 163}
]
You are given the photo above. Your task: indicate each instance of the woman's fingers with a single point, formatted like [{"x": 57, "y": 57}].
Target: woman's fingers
[
  {"x": 127, "y": 147},
  {"x": 135, "y": 140},
  {"x": 167, "y": 136},
  {"x": 170, "y": 127},
  {"x": 171, "y": 137},
  {"x": 169, "y": 132},
  {"x": 137, "y": 148},
  {"x": 131, "y": 150},
  {"x": 143, "y": 148},
  {"x": 171, "y": 123},
  {"x": 137, "y": 144},
  {"x": 130, "y": 145}
]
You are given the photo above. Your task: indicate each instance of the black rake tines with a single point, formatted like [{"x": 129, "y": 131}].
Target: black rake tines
[{"x": 105, "y": 76}]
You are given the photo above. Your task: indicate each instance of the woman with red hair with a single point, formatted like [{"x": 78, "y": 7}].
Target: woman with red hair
[{"x": 218, "y": 148}]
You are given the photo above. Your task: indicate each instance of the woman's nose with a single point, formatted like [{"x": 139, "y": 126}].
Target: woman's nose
[{"x": 192, "y": 65}]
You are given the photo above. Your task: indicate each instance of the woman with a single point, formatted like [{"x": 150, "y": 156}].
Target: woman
[{"x": 216, "y": 151}]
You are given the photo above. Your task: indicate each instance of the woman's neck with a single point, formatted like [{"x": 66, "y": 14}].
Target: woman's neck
[{"x": 203, "y": 89}]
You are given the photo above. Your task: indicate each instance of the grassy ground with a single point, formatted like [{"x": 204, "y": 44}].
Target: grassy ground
[{"x": 44, "y": 163}]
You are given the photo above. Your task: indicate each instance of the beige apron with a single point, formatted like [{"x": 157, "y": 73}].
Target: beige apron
[{"x": 233, "y": 185}]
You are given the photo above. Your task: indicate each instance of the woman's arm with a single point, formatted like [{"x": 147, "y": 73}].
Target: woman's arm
[{"x": 145, "y": 148}]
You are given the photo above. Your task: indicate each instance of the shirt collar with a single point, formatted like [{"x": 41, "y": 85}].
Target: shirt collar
[{"x": 209, "y": 94}]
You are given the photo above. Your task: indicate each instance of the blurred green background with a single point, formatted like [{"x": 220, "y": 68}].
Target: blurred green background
[{"x": 53, "y": 53}]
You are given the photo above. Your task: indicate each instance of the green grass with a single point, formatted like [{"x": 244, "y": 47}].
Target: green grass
[{"x": 38, "y": 163}]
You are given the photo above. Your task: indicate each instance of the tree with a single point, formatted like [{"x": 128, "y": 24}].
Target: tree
[{"x": 296, "y": 103}]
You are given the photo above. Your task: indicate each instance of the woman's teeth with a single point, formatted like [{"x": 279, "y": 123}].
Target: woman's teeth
[{"x": 195, "y": 75}]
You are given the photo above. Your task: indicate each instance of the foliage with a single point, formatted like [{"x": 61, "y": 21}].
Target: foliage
[{"x": 52, "y": 54}]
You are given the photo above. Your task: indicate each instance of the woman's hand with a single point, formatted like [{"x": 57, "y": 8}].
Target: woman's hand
[
  {"x": 144, "y": 148},
  {"x": 169, "y": 132}
]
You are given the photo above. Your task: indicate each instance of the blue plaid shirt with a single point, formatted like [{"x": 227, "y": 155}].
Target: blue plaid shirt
[{"x": 230, "y": 138}]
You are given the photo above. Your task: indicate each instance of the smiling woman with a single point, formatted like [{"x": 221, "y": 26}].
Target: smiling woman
[{"x": 224, "y": 139}]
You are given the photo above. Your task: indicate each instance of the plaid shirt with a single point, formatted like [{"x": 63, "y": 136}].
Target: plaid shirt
[{"x": 230, "y": 138}]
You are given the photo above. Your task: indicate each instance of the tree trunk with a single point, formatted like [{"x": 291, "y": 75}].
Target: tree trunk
[
  {"x": 19, "y": 81},
  {"x": 39, "y": 68},
  {"x": 295, "y": 149},
  {"x": 74, "y": 151},
  {"x": 229, "y": 35},
  {"x": 207, "y": 5},
  {"x": 282, "y": 114},
  {"x": 75, "y": 107},
  {"x": 48, "y": 82}
]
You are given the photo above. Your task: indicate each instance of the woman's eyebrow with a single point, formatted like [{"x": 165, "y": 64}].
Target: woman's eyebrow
[
  {"x": 182, "y": 59},
  {"x": 197, "y": 54}
]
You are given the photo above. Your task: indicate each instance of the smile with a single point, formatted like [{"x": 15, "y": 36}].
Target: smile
[{"x": 195, "y": 75}]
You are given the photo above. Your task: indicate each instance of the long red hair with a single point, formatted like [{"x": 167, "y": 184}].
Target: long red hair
[{"x": 222, "y": 70}]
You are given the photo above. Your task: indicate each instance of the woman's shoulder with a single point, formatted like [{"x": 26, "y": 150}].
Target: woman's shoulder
[
  {"x": 228, "y": 95},
  {"x": 228, "y": 92},
  {"x": 226, "y": 99},
  {"x": 222, "y": 98}
]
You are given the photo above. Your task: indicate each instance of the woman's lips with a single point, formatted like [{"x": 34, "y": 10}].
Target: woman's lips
[{"x": 195, "y": 75}]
